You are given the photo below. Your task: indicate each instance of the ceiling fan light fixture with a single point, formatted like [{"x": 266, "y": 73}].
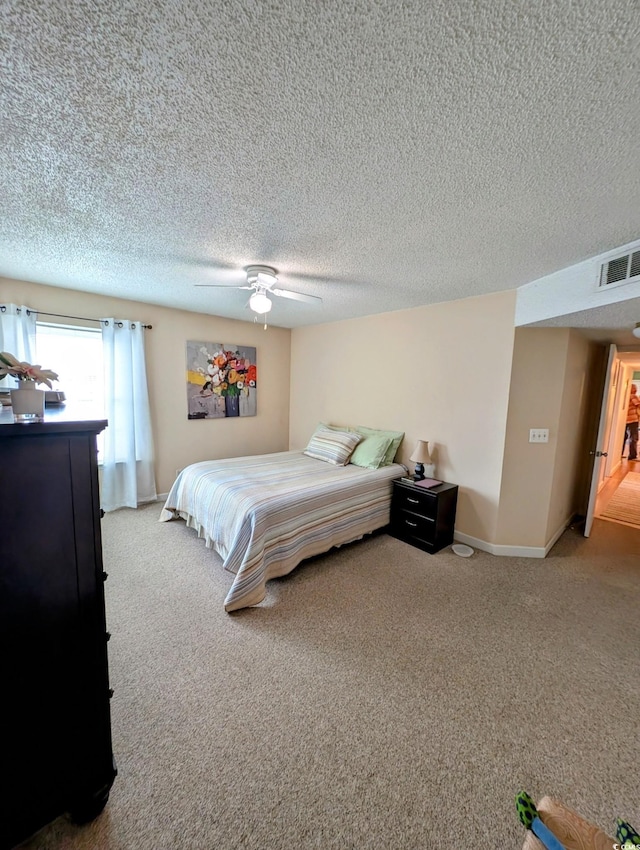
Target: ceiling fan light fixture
[
  {"x": 636, "y": 330},
  {"x": 260, "y": 303},
  {"x": 267, "y": 279},
  {"x": 263, "y": 275}
]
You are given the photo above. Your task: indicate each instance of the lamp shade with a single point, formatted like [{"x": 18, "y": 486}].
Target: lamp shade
[
  {"x": 421, "y": 452},
  {"x": 259, "y": 303}
]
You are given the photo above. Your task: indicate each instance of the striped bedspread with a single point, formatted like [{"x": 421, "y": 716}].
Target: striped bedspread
[{"x": 266, "y": 513}]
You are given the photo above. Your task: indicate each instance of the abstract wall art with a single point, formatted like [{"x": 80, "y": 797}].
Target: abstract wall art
[{"x": 222, "y": 380}]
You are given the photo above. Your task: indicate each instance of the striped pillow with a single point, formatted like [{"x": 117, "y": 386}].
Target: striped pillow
[{"x": 332, "y": 446}]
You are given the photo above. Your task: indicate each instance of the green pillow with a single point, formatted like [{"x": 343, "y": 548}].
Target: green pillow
[
  {"x": 394, "y": 436},
  {"x": 371, "y": 452},
  {"x": 324, "y": 425}
]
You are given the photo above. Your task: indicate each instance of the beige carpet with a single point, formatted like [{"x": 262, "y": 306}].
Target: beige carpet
[
  {"x": 379, "y": 699},
  {"x": 624, "y": 505}
]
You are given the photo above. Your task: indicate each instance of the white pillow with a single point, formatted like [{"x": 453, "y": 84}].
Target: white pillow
[{"x": 332, "y": 446}]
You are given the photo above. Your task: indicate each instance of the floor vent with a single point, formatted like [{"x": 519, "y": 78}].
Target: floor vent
[{"x": 619, "y": 270}]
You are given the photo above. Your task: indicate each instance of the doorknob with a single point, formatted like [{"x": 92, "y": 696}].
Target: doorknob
[{"x": 601, "y": 454}]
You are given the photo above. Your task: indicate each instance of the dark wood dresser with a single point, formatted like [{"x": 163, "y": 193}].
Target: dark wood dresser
[
  {"x": 423, "y": 517},
  {"x": 56, "y": 755}
]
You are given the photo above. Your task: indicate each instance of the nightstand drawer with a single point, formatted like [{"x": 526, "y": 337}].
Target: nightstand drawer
[
  {"x": 414, "y": 525},
  {"x": 425, "y": 504}
]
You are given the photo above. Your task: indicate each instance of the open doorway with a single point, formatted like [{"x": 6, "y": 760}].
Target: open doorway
[{"x": 618, "y": 488}]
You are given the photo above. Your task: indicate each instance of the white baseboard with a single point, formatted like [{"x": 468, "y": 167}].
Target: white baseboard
[
  {"x": 500, "y": 549},
  {"x": 564, "y": 526},
  {"x": 512, "y": 551}
]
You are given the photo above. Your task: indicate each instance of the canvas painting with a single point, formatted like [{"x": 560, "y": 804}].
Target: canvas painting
[{"x": 222, "y": 380}]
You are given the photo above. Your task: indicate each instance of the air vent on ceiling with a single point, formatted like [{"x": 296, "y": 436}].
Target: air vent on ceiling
[{"x": 619, "y": 270}]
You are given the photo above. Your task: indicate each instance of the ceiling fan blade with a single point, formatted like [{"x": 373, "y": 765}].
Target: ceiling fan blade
[
  {"x": 222, "y": 286},
  {"x": 297, "y": 296}
]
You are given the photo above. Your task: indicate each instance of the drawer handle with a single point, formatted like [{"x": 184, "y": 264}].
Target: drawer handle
[
  {"x": 413, "y": 501},
  {"x": 412, "y": 524}
]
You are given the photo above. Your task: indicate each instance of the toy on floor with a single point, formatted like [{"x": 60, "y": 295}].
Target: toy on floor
[
  {"x": 564, "y": 828},
  {"x": 529, "y": 816},
  {"x": 626, "y": 834}
]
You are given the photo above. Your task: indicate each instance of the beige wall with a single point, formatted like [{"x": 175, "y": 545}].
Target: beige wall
[
  {"x": 550, "y": 384},
  {"x": 456, "y": 374},
  {"x": 179, "y": 441},
  {"x": 439, "y": 373},
  {"x": 575, "y": 423}
]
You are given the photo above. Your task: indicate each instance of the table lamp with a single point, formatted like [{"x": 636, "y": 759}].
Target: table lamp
[{"x": 420, "y": 457}]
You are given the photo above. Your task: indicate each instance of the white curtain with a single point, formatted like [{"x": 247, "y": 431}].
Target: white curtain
[
  {"x": 17, "y": 336},
  {"x": 128, "y": 475}
]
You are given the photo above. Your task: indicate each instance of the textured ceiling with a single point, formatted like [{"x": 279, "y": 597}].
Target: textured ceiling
[
  {"x": 380, "y": 155},
  {"x": 611, "y": 323}
]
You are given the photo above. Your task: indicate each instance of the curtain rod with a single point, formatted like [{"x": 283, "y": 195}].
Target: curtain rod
[{"x": 62, "y": 316}]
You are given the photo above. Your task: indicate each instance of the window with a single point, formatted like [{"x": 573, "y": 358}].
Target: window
[{"x": 75, "y": 353}]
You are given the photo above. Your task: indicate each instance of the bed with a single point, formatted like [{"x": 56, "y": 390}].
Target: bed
[{"x": 264, "y": 514}]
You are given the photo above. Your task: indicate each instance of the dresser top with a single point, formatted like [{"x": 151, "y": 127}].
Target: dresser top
[{"x": 54, "y": 423}]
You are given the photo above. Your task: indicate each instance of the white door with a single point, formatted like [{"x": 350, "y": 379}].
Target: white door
[{"x": 602, "y": 427}]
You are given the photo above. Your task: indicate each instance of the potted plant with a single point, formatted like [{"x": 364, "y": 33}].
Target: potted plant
[{"x": 27, "y": 400}]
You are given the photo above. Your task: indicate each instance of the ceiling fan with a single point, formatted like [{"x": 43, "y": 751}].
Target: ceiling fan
[{"x": 262, "y": 280}]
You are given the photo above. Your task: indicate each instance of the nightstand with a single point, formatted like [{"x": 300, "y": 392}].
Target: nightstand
[{"x": 423, "y": 517}]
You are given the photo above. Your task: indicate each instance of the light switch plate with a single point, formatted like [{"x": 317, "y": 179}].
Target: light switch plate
[{"x": 539, "y": 435}]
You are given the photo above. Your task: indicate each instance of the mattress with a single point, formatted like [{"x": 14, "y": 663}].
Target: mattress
[{"x": 264, "y": 514}]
